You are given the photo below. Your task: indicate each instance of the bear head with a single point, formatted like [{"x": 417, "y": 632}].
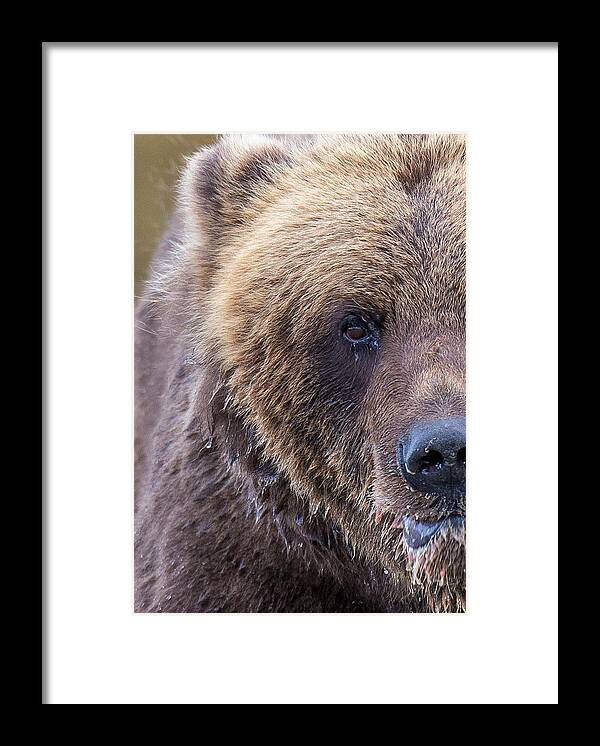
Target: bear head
[{"x": 326, "y": 303}]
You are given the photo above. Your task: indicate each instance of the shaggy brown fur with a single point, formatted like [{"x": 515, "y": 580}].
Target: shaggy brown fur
[{"x": 266, "y": 474}]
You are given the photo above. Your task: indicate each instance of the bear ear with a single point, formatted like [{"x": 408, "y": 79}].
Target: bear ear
[{"x": 226, "y": 186}]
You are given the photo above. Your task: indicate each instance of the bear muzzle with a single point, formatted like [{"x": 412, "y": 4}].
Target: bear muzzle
[{"x": 433, "y": 457}]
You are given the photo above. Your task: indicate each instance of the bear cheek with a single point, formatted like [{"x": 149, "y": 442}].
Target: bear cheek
[{"x": 308, "y": 410}]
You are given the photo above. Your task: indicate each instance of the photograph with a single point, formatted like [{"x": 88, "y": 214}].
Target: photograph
[
  {"x": 300, "y": 431},
  {"x": 281, "y": 281}
]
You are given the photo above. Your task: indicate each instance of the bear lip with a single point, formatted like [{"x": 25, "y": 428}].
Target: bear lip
[{"x": 418, "y": 533}]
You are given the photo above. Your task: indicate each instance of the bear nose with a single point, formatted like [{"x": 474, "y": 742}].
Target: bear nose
[{"x": 433, "y": 456}]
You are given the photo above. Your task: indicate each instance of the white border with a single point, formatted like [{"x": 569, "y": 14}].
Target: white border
[{"x": 504, "y": 649}]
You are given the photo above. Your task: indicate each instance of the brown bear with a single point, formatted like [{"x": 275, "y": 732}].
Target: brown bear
[{"x": 300, "y": 380}]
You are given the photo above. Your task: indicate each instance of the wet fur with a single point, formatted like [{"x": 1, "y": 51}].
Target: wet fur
[{"x": 265, "y": 449}]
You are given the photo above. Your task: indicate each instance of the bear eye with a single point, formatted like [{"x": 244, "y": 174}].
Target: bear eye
[
  {"x": 355, "y": 333},
  {"x": 358, "y": 330}
]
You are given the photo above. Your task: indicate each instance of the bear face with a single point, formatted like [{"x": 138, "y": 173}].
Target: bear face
[{"x": 329, "y": 298}]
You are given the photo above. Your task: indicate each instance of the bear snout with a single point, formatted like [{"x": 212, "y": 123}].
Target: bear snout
[{"x": 432, "y": 457}]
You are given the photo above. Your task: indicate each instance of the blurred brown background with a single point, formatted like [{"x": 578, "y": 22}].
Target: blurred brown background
[{"x": 158, "y": 160}]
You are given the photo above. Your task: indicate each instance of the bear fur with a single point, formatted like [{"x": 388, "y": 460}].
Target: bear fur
[{"x": 265, "y": 475}]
